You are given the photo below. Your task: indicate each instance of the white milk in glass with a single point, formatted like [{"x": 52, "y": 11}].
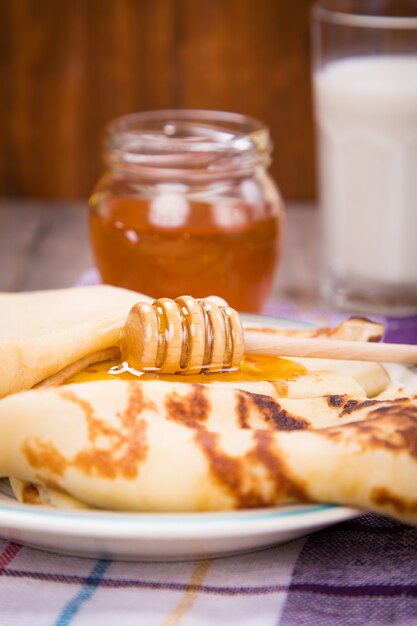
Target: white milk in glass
[{"x": 366, "y": 111}]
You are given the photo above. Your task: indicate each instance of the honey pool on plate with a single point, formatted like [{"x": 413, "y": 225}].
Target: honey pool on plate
[{"x": 253, "y": 368}]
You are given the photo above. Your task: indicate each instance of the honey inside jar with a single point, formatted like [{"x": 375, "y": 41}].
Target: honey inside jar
[
  {"x": 209, "y": 248},
  {"x": 253, "y": 368},
  {"x": 187, "y": 206}
]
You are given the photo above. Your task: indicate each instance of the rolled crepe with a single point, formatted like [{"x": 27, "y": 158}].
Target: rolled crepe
[
  {"x": 114, "y": 446},
  {"x": 43, "y": 332}
]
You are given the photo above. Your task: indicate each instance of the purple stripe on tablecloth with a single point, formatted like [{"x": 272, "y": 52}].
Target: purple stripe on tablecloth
[
  {"x": 118, "y": 583},
  {"x": 368, "y": 578},
  {"x": 386, "y": 590},
  {"x": 401, "y": 330},
  {"x": 382, "y": 591}
]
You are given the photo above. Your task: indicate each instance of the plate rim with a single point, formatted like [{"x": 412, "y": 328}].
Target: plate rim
[{"x": 181, "y": 525}]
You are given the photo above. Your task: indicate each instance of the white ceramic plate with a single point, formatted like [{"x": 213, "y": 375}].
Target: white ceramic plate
[
  {"x": 162, "y": 537},
  {"x": 144, "y": 536}
]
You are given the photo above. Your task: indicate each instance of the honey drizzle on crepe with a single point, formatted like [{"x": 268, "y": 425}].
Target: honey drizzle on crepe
[{"x": 253, "y": 368}]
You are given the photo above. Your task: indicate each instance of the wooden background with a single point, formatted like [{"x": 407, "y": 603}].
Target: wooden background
[{"x": 67, "y": 67}]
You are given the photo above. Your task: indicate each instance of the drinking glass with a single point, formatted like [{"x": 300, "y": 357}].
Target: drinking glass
[{"x": 365, "y": 91}]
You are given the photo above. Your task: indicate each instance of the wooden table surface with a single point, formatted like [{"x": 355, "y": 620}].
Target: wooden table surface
[{"x": 45, "y": 245}]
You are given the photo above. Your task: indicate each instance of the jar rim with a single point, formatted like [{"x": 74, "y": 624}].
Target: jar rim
[{"x": 191, "y": 139}]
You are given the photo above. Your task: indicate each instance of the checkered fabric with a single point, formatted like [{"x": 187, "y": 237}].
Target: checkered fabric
[{"x": 363, "y": 571}]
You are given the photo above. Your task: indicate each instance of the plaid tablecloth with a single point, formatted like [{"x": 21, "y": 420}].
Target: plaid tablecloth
[{"x": 360, "y": 572}]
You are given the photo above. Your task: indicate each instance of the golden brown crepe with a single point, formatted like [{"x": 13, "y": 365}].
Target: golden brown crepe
[
  {"x": 43, "y": 332},
  {"x": 159, "y": 447}
]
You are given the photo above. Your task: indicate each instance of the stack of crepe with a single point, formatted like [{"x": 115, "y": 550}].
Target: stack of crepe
[{"x": 336, "y": 434}]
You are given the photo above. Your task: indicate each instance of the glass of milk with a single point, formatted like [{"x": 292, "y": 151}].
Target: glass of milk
[{"x": 365, "y": 93}]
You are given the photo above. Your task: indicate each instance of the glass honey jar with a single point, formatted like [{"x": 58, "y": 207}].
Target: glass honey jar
[{"x": 187, "y": 206}]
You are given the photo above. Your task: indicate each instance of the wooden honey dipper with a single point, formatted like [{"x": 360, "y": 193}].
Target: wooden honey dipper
[{"x": 189, "y": 336}]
